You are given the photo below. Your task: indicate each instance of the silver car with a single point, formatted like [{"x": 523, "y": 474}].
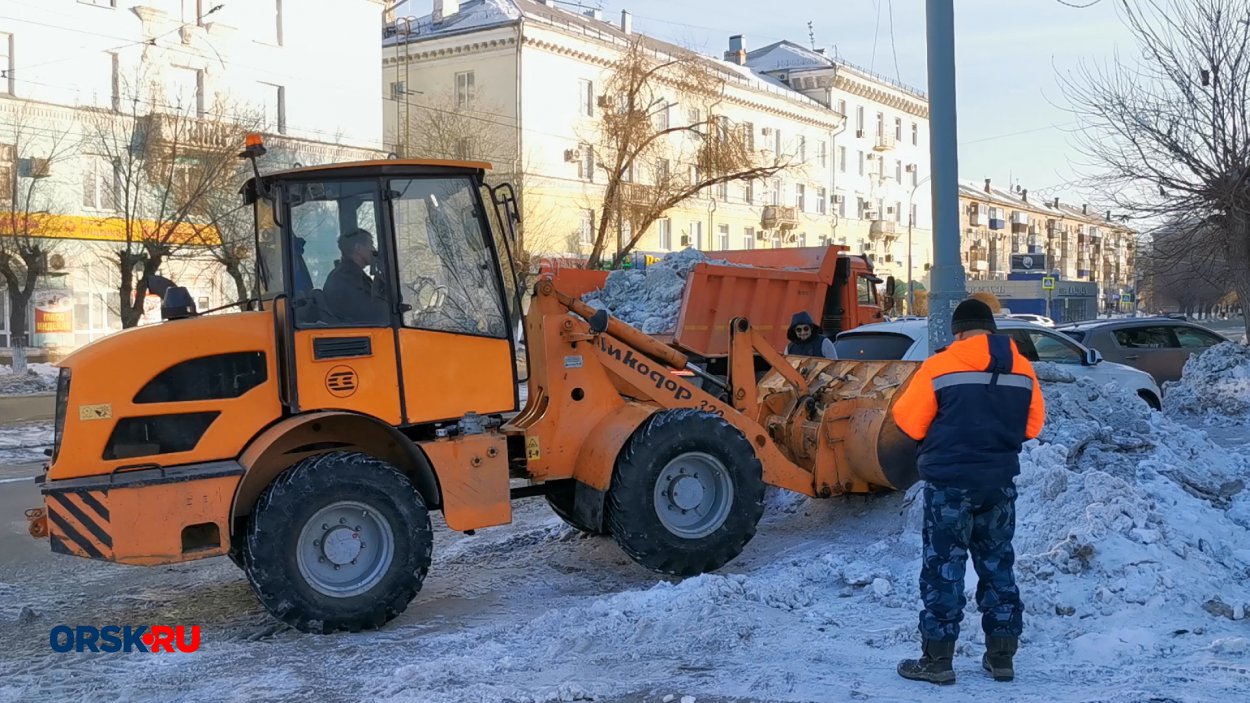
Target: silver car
[{"x": 908, "y": 340}]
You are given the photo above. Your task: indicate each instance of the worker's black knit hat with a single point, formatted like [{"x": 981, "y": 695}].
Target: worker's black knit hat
[{"x": 972, "y": 314}]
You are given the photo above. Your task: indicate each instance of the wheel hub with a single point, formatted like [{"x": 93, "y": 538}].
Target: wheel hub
[
  {"x": 694, "y": 494},
  {"x": 686, "y": 492},
  {"x": 341, "y": 545}
]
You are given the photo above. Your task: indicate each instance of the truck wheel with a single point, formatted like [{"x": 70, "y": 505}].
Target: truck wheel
[
  {"x": 339, "y": 541},
  {"x": 560, "y": 497},
  {"x": 686, "y": 494}
]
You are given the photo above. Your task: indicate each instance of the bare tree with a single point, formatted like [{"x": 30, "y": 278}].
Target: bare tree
[
  {"x": 1180, "y": 271},
  {"x": 1168, "y": 132},
  {"x": 166, "y": 163},
  {"x": 28, "y": 153},
  {"x": 653, "y": 160}
]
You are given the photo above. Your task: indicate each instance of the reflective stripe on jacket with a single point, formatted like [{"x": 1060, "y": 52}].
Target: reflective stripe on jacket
[{"x": 971, "y": 407}]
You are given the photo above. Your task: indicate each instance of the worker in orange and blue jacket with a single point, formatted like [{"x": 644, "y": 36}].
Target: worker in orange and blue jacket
[{"x": 971, "y": 406}]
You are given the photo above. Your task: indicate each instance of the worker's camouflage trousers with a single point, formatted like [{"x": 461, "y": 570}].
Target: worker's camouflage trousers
[{"x": 958, "y": 521}]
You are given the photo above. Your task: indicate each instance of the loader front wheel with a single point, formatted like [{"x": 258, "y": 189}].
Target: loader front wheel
[
  {"x": 686, "y": 494},
  {"x": 339, "y": 541}
]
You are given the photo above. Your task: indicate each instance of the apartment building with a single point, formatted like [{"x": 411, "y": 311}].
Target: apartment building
[
  {"x": 71, "y": 69},
  {"x": 1072, "y": 243},
  {"x": 521, "y": 83}
]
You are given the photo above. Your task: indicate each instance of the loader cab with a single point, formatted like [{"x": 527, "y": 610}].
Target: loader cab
[{"x": 389, "y": 275}]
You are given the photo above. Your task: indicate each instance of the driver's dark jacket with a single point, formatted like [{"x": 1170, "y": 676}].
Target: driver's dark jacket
[{"x": 349, "y": 296}]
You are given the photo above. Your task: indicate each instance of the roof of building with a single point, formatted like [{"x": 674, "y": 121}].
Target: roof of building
[
  {"x": 998, "y": 196},
  {"x": 786, "y": 55},
  {"x": 479, "y": 15}
]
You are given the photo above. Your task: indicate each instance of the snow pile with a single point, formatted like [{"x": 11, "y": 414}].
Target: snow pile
[
  {"x": 1214, "y": 387},
  {"x": 39, "y": 378},
  {"x": 1125, "y": 512},
  {"x": 649, "y": 298}
]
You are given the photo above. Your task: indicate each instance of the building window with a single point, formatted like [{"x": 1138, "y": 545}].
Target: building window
[
  {"x": 722, "y": 239},
  {"x": 776, "y": 191},
  {"x": 586, "y": 233},
  {"x": 915, "y": 175},
  {"x": 8, "y": 165},
  {"x": 880, "y": 124},
  {"x": 802, "y": 150},
  {"x": 861, "y": 163},
  {"x": 586, "y": 166},
  {"x": 842, "y": 159},
  {"x": 842, "y": 108},
  {"x": 748, "y": 192},
  {"x": 115, "y": 81},
  {"x": 776, "y": 240},
  {"x": 659, "y": 118},
  {"x": 270, "y": 32},
  {"x": 898, "y": 211},
  {"x": 914, "y": 210},
  {"x": 748, "y": 136},
  {"x": 665, "y": 228},
  {"x": 748, "y": 238},
  {"x": 466, "y": 89},
  {"x": 694, "y": 118},
  {"x": 464, "y": 148},
  {"x": 915, "y": 134},
  {"x": 822, "y": 201},
  {"x": 186, "y": 90},
  {"x": 722, "y": 191},
  {"x": 696, "y": 234},
  {"x": 802, "y": 239},
  {"x": 100, "y": 3},
  {"x": 800, "y": 193},
  {"x": 777, "y": 141},
  {"x": 863, "y": 209},
  {"x": 275, "y": 108},
  {"x": 99, "y": 189},
  {"x": 398, "y": 90},
  {"x": 859, "y": 119},
  {"x": 585, "y": 98},
  {"x": 898, "y": 129},
  {"x": 661, "y": 172},
  {"x": 841, "y": 206},
  {"x": 898, "y": 171},
  {"x": 822, "y": 153}
]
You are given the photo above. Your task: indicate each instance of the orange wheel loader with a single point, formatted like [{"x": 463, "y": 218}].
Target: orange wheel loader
[{"x": 373, "y": 380}]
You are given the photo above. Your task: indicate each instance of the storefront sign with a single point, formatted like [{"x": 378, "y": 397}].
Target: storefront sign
[{"x": 54, "y": 311}]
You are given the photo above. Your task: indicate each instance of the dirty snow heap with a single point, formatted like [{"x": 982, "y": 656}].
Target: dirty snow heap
[
  {"x": 1214, "y": 387},
  {"x": 649, "y": 298}
]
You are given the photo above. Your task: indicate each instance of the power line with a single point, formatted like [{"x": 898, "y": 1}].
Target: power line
[
  {"x": 1079, "y": 7},
  {"x": 898, "y": 76},
  {"x": 1023, "y": 131}
]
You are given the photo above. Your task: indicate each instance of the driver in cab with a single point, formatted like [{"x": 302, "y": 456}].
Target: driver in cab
[{"x": 351, "y": 295}]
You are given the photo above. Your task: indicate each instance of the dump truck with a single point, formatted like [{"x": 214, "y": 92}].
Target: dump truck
[
  {"x": 309, "y": 435},
  {"x": 765, "y": 286}
]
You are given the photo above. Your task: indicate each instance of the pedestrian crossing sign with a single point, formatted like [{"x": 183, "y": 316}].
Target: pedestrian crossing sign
[{"x": 1048, "y": 283}]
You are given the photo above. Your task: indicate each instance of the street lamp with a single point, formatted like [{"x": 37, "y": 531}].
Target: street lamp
[{"x": 911, "y": 221}]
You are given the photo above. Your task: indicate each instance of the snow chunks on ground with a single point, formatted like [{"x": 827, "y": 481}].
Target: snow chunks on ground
[
  {"x": 39, "y": 378},
  {"x": 1214, "y": 386},
  {"x": 648, "y": 298}
]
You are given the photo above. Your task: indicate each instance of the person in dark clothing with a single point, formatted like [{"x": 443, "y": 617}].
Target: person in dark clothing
[
  {"x": 350, "y": 294},
  {"x": 806, "y": 339},
  {"x": 971, "y": 406}
]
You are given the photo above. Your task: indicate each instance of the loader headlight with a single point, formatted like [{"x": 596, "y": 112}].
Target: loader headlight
[{"x": 62, "y": 404}]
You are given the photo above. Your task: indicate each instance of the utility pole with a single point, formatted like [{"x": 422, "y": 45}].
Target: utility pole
[
  {"x": 911, "y": 222},
  {"x": 947, "y": 274}
]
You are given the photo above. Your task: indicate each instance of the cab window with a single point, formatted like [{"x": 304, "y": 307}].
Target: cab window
[
  {"x": 448, "y": 276},
  {"x": 867, "y": 293},
  {"x": 1145, "y": 338},
  {"x": 337, "y": 266},
  {"x": 1035, "y": 345}
]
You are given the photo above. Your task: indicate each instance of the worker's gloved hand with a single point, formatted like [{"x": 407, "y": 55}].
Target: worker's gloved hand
[{"x": 379, "y": 287}]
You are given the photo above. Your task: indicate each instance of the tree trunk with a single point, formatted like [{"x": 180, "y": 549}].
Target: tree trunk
[
  {"x": 240, "y": 284},
  {"x": 19, "y": 301}
]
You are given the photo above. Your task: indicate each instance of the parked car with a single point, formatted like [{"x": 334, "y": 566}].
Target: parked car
[
  {"x": 1035, "y": 319},
  {"x": 1160, "y": 346},
  {"x": 909, "y": 340}
]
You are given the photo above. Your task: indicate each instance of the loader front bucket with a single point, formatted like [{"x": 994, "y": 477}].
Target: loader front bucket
[{"x": 842, "y": 429}]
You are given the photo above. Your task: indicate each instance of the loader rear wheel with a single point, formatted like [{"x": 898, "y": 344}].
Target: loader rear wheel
[
  {"x": 560, "y": 498},
  {"x": 339, "y": 541},
  {"x": 686, "y": 494}
]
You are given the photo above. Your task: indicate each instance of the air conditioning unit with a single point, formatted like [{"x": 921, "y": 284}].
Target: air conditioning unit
[
  {"x": 573, "y": 155},
  {"x": 889, "y": 210},
  {"x": 767, "y": 131},
  {"x": 761, "y": 235},
  {"x": 604, "y": 102},
  {"x": 911, "y": 168},
  {"x": 859, "y": 134},
  {"x": 56, "y": 262},
  {"x": 838, "y": 198},
  {"x": 870, "y": 214},
  {"x": 685, "y": 240},
  {"x": 889, "y": 258}
]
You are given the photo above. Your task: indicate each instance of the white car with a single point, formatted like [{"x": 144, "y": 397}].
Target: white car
[
  {"x": 1035, "y": 319},
  {"x": 908, "y": 340}
]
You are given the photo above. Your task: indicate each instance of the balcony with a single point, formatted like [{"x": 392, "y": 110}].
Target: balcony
[
  {"x": 884, "y": 142},
  {"x": 979, "y": 265},
  {"x": 996, "y": 223},
  {"x": 883, "y": 229},
  {"x": 181, "y": 131},
  {"x": 779, "y": 217}
]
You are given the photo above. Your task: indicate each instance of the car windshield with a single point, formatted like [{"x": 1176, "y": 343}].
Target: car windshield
[
  {"x": 1078, "y": 335},
  {"x": 873, "y": 346}
]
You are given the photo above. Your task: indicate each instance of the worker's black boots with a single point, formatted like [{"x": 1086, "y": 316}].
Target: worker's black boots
[
  {"x": 997, "y": 659},
  {"x": 933, "y": 666}
]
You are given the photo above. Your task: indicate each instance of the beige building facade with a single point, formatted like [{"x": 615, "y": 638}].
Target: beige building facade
[{"x": 521, "y": 83}]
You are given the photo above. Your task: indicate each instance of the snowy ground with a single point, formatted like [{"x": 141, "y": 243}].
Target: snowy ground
[
  {"x": 1134, "y": 553},
  {"x": 25, "y": 442},
  {"x": 39, "y": 378}
]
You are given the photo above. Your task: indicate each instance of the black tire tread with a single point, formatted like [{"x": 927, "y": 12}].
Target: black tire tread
[
  {"x": 630, "y": 510},
  {"x": 272, "y": 569},
  {"x": 560, "y": 498}
]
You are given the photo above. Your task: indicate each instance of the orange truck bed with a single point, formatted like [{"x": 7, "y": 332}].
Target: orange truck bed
[{"x": 766, "y": 286}]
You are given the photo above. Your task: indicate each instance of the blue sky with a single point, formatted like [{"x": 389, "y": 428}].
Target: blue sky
[{"x": 1012, "y": 123}]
